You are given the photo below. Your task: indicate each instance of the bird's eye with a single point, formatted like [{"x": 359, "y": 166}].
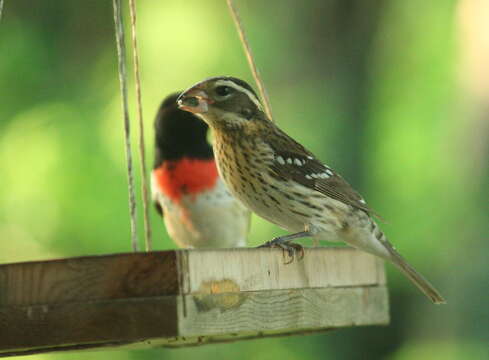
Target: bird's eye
[{"x": 223, "y": 90}]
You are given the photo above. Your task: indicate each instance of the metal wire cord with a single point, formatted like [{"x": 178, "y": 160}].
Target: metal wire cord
[
  {"x": 121, "y": 54},
  {"x": 249, "y": 56},
  {"x": 142, "y": 157}
]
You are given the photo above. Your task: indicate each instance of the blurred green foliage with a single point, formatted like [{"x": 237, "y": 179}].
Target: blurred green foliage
[{"x": 370, "y": 87}]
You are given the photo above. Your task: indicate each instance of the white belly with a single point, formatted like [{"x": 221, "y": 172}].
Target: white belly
[{"x": 214, "y": 219}]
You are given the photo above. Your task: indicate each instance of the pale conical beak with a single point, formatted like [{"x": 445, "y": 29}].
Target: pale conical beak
[{"x": 194, "y": 100}]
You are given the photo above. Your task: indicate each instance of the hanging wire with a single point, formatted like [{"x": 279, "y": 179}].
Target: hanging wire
[
  {"x": 249, "y": 56},
  {"x": 1, "y": 9},
  {"x": 121, "y": 53},
  {"x": 142, "y": 156}
]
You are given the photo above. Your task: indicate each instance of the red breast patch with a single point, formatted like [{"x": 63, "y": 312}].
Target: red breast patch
[{"x": 185, "y": 176}]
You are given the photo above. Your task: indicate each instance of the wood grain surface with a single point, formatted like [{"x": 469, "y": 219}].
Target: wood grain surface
[{"x": 185, "y": 297}]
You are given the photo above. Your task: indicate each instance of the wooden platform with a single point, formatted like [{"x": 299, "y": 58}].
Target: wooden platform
[{"x": 185, "y": 297}]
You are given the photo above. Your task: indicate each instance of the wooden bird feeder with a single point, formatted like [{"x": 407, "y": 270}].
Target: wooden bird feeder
[{"x": 185, "y": 297}]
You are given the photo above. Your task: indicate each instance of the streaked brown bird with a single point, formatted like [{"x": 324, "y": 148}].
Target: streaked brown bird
[
  {"x": 283, "y": 182},
  {"x": 198, "y": 210}
]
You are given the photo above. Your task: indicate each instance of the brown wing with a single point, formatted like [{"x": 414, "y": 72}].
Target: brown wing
[{"x": 298, "y": 164}]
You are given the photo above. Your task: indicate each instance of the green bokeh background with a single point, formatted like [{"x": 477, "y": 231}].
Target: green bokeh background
[{"x": 386, "y": 92}]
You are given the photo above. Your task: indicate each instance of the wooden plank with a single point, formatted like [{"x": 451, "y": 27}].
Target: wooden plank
[
  {"x": 210, "y": 318},
  {"x": 156, "y": 273},
  {"x": 282, "y": 310},
  {"x": 89, "y": 278},
  {"x": 123, "y": 320},
  {"x": 185, "y": 297},
  {"x": 264, "y": 269}
]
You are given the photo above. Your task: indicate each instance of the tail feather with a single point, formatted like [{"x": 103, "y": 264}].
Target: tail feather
[
  {"x": 396, "y": 259},
  {"x": 415, "y": 277}
]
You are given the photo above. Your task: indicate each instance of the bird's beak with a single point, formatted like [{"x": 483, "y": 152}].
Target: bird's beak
[{"x": 194, "y": 100}]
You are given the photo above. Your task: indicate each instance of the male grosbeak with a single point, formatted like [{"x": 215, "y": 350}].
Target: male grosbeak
[{"x": 197, "y": 209}]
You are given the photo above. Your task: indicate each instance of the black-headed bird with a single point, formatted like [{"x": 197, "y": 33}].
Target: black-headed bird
[{"x": 197, "y": 208}]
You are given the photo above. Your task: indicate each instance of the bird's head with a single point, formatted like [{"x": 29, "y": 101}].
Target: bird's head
[
  {"x": 223, "y": 102},
  {"x": 179, "y": 133}
]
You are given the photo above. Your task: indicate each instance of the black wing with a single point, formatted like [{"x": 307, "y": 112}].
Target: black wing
[{"x": 158, "y": 207}]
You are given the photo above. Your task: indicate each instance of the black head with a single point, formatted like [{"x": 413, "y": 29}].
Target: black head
[
  {"x": 222, "y": 101},
  {"x": 179, "y": 133}
]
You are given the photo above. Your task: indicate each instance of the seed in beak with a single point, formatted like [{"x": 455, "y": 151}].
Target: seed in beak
[
  {"x": 197, "y": 104},
  {"x": 189, "y": 101}
]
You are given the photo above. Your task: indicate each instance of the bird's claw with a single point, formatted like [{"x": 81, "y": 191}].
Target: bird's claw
[{"x": 293, "y": 250}]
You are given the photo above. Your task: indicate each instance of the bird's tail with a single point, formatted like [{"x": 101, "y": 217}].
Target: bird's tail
[
  {"x": 415, "y": 277},
  {"x": 418, "y": 279},
  {"x": 388, "y": 252}
]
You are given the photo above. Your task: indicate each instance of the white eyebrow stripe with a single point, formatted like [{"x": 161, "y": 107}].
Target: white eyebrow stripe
[{"x": 242, "y": 89}]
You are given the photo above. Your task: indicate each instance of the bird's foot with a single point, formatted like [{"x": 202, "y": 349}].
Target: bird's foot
[{"x": 290, "y": 249}]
